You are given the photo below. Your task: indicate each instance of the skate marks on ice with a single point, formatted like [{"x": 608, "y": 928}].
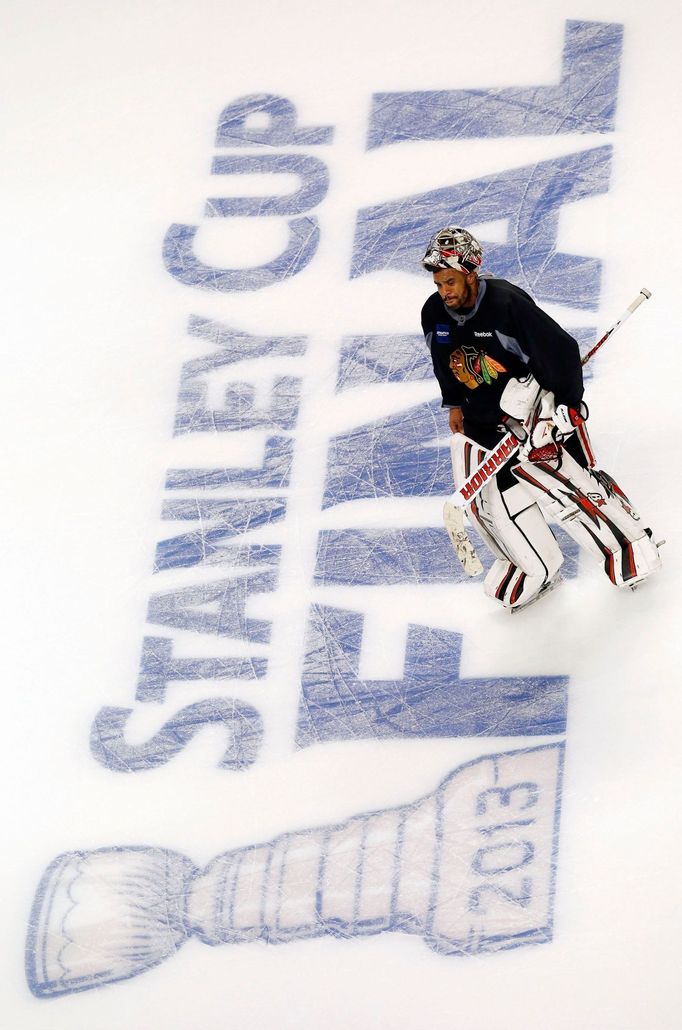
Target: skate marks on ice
[
  {"x": 583, "y": 101},
  {"x": 431, "y": 699},
  {"x": 400, "y": 454},
  {"x": 469, "y": 868},
  {"x": 388, "y": 234}
]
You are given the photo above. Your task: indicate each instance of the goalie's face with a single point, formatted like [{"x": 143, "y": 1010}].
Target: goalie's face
[{"x": 457, "y": 289}]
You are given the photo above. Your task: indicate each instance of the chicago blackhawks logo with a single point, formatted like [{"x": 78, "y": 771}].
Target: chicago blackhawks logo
[{"x": 473, "y": 367}]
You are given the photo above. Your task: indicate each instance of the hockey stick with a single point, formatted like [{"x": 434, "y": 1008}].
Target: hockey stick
[
  {"x": 509, "y": 444},
  {"x": 643, "y": 295},
  {"x": 459, "y": 538}
]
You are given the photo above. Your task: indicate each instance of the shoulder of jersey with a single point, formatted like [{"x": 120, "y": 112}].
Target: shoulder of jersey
[
  {"x": 431, "y": 301},
  {"x": 502, "y": 288}
]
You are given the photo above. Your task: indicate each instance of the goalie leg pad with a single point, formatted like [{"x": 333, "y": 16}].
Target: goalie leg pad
[
  {"x": 513, "y": 528},
  {"x": 532, "y": 556},
  {"x": 596, "y": 513}
]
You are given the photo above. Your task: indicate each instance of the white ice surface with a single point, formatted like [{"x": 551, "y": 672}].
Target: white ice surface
[{"x": 109, "y": 116}]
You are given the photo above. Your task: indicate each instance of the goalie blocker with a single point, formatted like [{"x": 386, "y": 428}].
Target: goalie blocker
[{"x": 512, "y": 510}]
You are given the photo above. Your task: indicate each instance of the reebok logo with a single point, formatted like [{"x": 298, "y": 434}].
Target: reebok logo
[{"x": 483, "y": 334}]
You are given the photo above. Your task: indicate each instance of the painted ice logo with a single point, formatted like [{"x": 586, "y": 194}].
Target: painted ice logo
[
  {"x": 470, "y": 867},
  {"x": 530, "y": 197},
  {"x": 234, "y": 131}
]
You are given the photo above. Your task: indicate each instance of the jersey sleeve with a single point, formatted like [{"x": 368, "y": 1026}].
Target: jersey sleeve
[{"x": 554, "y": 355}]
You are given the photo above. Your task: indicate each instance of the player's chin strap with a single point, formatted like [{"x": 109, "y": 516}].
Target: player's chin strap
[{"x": 535, "y": 423}]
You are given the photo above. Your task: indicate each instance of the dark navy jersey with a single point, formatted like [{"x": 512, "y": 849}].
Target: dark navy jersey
[{"x": 505, "y": 335}]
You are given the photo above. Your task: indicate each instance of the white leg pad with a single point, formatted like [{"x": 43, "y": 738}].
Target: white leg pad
[
  {"x": 513, "y": 528},
  {"x": 596, "y": 513}
]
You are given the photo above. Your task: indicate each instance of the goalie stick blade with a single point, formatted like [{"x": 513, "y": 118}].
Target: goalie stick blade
[{"x": 464, "y": 549}]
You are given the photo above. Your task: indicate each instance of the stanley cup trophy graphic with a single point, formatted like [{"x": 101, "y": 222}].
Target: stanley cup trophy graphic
[{"x": 469, "y": 867}]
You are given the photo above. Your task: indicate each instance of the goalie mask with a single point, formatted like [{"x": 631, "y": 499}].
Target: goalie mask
[{"x": 453, "y": 247}]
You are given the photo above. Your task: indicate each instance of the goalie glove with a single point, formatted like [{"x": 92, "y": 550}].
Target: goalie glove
[
  {"x": 542, "y": 430},
  {"x": 552, "y": 423},
  {"x": 519, "y": 398},
  {"x": 518, "y": 402},
  {"x": 566, "y": 420}
]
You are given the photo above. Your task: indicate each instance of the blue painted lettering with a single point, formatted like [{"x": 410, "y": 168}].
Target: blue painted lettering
[
  {"x": 387, "y": 236},
  {"x": 431, "y": 700},
  {"x": 158, "y": 668},
  {"x": 182, "y": 263},
  {"x": 242, "y": 723},
  {"x": 311, "y": 171},
  {"x": 583, "y": 101},
  {"x": 396, "y": 456},
  {"x": 240, "y": 124},
  {"x": 217, "y": 607}
]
